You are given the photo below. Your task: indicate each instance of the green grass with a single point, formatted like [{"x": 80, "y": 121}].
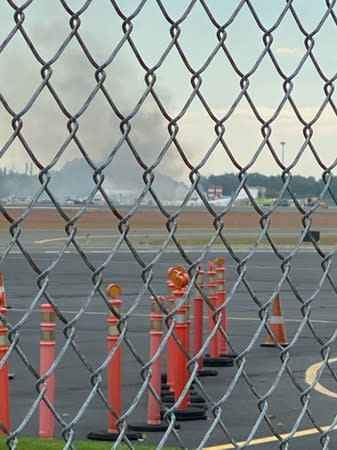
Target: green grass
[{"x": 55, "y": 444}]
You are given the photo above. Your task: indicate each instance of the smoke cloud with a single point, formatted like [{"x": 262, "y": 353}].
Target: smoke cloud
[{"x": 73, "y": 80}]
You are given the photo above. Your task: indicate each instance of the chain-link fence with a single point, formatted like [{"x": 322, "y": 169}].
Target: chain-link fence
[{"x": 134, "y": 304}]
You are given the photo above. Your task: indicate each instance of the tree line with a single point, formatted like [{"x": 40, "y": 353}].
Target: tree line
[
  {"x": 302, "y": 187},
  {"x": 62, "y": 182}
]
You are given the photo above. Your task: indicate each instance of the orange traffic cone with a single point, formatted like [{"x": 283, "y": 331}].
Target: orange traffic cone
[
  {"x": 3, "y": 304},
  {"x": 277, "y": 327},
  {"x": 3, "y": 298}
]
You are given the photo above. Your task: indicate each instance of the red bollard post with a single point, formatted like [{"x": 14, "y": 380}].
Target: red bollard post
[
  {"x": 114, "y": 378},
  {"x": 4, "y": 382},
  {"x": 47, "y": 358}
]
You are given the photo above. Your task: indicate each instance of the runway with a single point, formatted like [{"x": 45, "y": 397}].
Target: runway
[{"x": 71, "y": 287}]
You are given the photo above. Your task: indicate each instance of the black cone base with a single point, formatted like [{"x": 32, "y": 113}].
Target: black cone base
[
  {"x": 169, "y": 398},
  {"x": 207, "y": 373},
  {"x": 164, "y": 379},
  {"x": 220, "y": 361},
  {"x": 190, "y": 413},
  {"x": 267, "y": 344},
  {"x": 162, "y": 426},
  {"x": 106, "y": 436}
]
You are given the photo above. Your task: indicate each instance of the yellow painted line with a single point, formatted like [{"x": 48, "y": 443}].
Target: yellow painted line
[
  {"x": 267, "y": 439},
  {"x": 311, "y": 375}
]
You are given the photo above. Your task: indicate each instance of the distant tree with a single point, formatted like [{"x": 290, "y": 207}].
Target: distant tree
[{"x": 302, "y": 187}]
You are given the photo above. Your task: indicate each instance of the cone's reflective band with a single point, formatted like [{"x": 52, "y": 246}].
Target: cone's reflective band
[
  {"x": 47, "y": 359},
  {"x": 212, "y": 299},
  {"x": 4, "y": 380},
  {"x": 156, "y": 315},
  {"x": 277, "y": 320}
]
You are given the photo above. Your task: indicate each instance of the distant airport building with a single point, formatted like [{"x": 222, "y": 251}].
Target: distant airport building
[{"x": 214, "y": 191}]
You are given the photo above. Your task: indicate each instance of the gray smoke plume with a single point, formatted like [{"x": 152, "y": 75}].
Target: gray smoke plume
[{"x": 73, "y": 79}]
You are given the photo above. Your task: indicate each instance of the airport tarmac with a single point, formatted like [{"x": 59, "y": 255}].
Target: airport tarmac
[{"x": 267, "y": 380}]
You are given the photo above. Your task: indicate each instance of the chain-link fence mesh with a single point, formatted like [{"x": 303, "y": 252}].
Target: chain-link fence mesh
[{"x": 111, "y": 102}]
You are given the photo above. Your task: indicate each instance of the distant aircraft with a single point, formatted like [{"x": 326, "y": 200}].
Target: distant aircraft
[
  {"x": 196, "y": 201},
  {"x": 222, "y": 201}
]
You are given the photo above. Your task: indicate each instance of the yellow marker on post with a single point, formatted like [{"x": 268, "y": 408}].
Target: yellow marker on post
[{"x": 114, "y": 290}]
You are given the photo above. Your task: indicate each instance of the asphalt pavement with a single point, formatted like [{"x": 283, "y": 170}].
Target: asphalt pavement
[{"x": 268, "y": 382}]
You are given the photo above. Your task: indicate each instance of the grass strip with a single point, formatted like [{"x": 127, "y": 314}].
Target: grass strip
[{"x": 26, "y": 443}]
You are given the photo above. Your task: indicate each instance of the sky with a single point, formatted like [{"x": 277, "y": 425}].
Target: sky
[{"x": 101, "y": 29}]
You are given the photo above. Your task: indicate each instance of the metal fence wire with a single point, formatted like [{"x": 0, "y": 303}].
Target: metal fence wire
[{"x": 111, "y": 102}]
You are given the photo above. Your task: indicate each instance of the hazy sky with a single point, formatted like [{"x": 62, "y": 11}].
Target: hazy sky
[{"x": 73, "y": 78}]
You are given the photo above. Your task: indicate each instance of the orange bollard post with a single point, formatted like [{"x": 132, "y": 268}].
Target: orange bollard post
[
  {"x": 213, "y": 359},
  {"x": 114, "y": 377},
  {"x": 184, "y": 411},
  {"x": 181, "y": 376},
  {"x": 47, "y": 358},
  {"x": 3, "y": 304},
  {"x": 4, "y": 383},
  {"x": 224, "y": 354},
  {"x": 154, "y": 422},
  {"x": 198, "y": 318},
  {"x": 156, "y": 336},
  {"x": 221, "y": 298},
  {"x": 114, "y": 366},
  {"x": 198, "y": 330},
  {"x": 212, "y": 298},
  {"x": 170, "y": 344},
  {"x": 172, "y": 274}
]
